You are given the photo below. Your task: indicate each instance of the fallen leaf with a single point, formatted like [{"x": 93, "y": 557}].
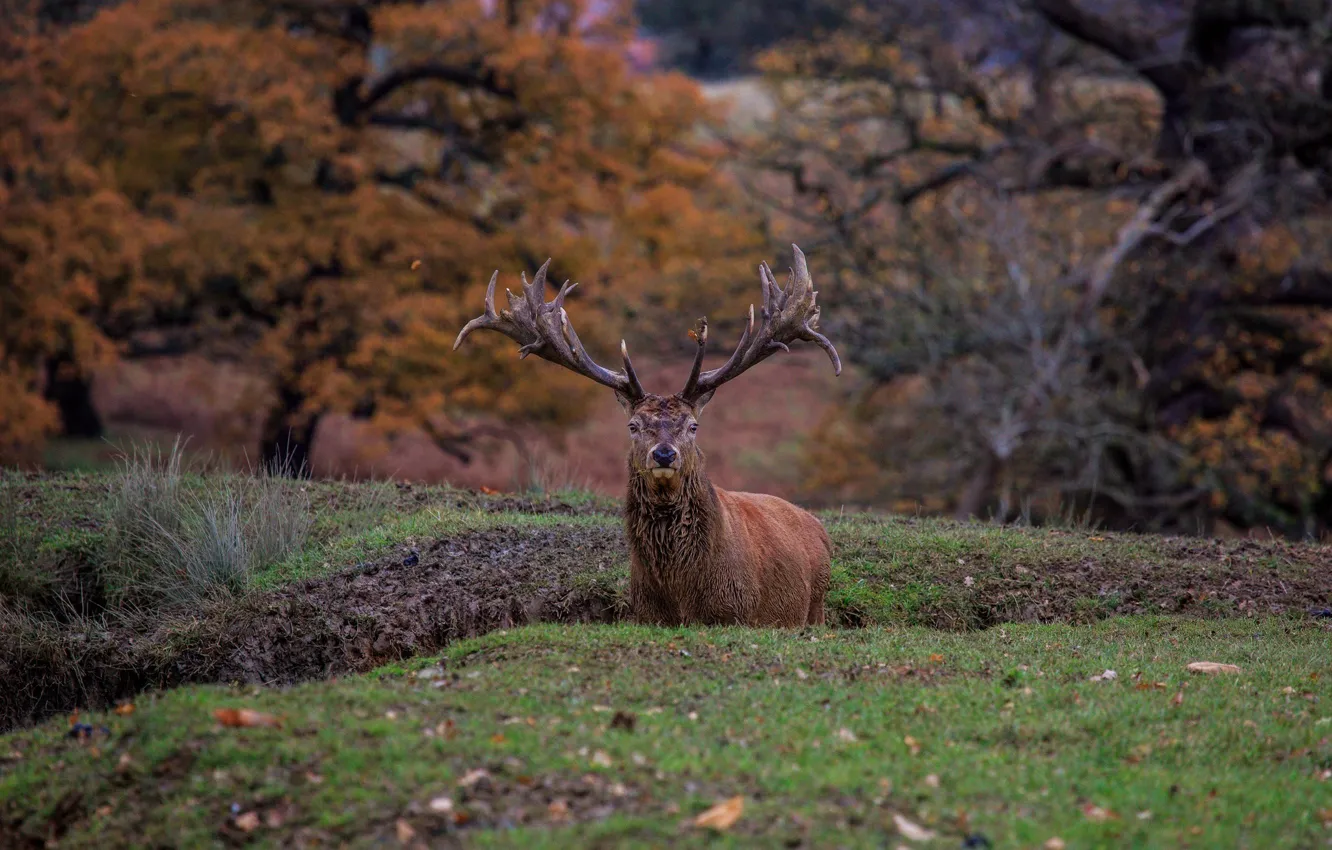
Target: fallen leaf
[
  {"x": 1145, "y": 814},
  {"x": 932, "y": 780},
  {"x": 1148, "y": 686},
  {"x": 274, "y": 818},
  {"x": 847, "y": 735},
  {"x": 473, "y": 776},
  {"x": 247, "y": 822},
  {"x": 1097, "y": 539},
  {"x": 488, "y": 491},
  {"x": 244, "y": 717},
  {"x": 497, "y": 738},
  {"x": 405, "y": 831},
  {"x": 441, "y": 804},
  {"x": 416, "y": 264},
  {"x": 1212, "y": 667},
  {"x": 1178, "y": 699},
  {"x": 722, "y": 816},
  {"x": 1098, "y": 814},
  {"x": 936, "y": 658},
  {"x": 911, "y": 831},
  {"x": 1325, "y": 816},
  {"x": 912, "y": 744},
  {"x": 558, "y": 810},
  {"x": 1107, "y": 676},
  {"x": 601, "y": 758},
  {"x": 125, "y": 708},
  {"x": 1055, "y": 843}
]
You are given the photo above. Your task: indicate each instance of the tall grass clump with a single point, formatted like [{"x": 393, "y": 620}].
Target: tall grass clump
[{"x": 178, "y": 538}]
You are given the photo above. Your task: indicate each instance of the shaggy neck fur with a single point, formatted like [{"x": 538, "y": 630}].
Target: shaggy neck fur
[{"x": 671, "y": 529}]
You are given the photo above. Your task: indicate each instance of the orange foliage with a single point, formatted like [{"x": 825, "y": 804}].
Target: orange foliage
[{"x": 327, "y": 207}]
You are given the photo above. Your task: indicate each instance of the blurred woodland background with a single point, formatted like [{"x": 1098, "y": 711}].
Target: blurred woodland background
[{"x": 1076, "y": 253}]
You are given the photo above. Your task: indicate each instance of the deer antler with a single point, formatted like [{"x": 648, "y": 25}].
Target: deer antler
[
  {"x": 542, "y": 328},
  {"x": 789, "y": 315}
]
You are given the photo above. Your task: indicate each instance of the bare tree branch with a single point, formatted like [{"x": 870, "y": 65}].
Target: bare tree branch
[{"x": 1118, "y": 36}]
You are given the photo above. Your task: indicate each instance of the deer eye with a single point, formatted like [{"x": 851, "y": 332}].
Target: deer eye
[
  {"x": 633, "y": 427},
  {"x": 693, "y": 427}
]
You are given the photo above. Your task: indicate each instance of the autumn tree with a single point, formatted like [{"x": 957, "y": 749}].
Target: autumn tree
[
  {"x": 320, "y": 191},
  {"x": 1086, "y": 245}
]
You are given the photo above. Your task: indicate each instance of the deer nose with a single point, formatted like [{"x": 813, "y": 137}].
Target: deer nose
[{"x": 664, "y": 455}]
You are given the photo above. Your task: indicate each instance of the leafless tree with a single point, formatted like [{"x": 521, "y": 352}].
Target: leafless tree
[{"x": 941, "y": 165}]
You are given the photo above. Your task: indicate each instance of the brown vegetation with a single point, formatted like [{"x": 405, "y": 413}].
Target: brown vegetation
[{"x": 305, "y": 190}]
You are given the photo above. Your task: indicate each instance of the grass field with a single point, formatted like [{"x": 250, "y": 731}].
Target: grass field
[{"x": 453, "y": 668}]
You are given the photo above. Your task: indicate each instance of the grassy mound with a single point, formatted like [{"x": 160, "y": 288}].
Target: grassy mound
[
  {"x": 112, "y": 585},
  {"x": 559, "y": 736}
]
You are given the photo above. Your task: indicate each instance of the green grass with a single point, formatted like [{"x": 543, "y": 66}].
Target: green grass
[
  {"x": 407, "y": 531},
  {"x": 826, "y": 734}
]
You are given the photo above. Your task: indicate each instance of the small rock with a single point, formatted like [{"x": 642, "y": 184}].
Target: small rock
[{"x": 412, "y": 560}]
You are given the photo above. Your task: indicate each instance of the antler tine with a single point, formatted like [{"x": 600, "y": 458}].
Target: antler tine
[
  {"x": 700, "y": 335},
  {"x": 636, "y": 389},
  {"x": 485, "y": 318},
  {"x": 788, "y": 315},
  {"x": 542, "y": 328}
]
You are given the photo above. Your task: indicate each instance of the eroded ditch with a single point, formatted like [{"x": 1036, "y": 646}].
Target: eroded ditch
[
  {"x": 405, "y": 604},
  {"x": 348, "y": 622}
]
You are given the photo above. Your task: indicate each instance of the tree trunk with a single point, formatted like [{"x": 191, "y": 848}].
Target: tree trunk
[
  {"x": 978, "y": 489},
  {"x": 72, "y": 394},
  {"x": 288, "y": 440}
]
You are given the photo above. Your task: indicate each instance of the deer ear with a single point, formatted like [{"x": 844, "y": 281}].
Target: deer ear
[
  {"x": 701, "y": 401},
  {"x": 625, "y": 403}
]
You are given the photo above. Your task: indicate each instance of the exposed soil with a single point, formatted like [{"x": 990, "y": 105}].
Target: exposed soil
[
  {"x": 1173, "y": 575},
  {"x": 404, "y": 604},
  {"x": 411, "y": 602}
]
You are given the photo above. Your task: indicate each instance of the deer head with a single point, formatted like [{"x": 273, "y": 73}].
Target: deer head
[{"x": 661, "y": 428}]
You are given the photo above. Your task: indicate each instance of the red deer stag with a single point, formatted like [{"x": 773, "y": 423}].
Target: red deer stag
[{"x": 698, "y": 553}]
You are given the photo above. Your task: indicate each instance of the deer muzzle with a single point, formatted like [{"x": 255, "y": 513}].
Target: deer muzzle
[{"x": 663, "y": 461}]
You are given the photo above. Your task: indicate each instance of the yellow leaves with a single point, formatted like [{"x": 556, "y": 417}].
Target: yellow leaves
[
  {"x": 245, "y": 718},
  {"x": 722, "y": 816},
  {"x": 910, "y": 830},
  {"x": 1212, "y": 667}
]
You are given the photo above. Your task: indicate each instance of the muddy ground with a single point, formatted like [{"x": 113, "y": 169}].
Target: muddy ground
[
  {"x": 409, "y": 602},
  {"x": 405, "y": 603}
]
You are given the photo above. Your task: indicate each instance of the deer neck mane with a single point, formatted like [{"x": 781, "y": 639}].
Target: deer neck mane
[{"x": 677, "y": 532}]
